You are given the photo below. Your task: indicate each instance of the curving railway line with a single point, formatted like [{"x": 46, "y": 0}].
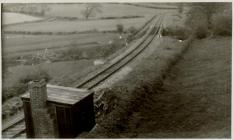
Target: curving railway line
[
  {"x": 93, "y": 80},
  {"x": 16, "y": 129}
]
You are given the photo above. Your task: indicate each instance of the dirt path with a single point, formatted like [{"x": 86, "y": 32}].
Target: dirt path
[{"x": 195, "y": 101}]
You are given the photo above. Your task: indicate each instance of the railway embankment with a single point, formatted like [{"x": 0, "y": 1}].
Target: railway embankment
[
  {"x": 163, "y": 98},
  {"x": 117, "y": 103}
]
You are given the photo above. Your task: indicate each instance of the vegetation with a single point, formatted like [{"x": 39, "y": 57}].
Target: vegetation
[
  {"x": 30, "y": 9},
  {"x": 11, "y": 107},
  {"x": 178, "y": 32},
  {"x": 20, "y": 86},
  {"x": 72, "y": 27},
  {"x": 180, "y": 8},
  {"x": 222, "y": 23},
  {"x": 11, "y": 102},
  {"x": 91, "y": 9},
  {"x": 74, "y": 52},
  {"x": 118, "y": 104},
  {"x": 146, "y": 107},
  {"x": 120, "y": 28},
  {"x": 205, "y": 19},
  {"x": 131, "y": 31}
]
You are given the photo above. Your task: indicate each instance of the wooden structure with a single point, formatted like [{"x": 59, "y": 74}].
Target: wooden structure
[{"x": 70, "y": 110}]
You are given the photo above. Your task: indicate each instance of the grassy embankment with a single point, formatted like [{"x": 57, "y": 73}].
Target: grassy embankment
[
  {"x": 192, "y": 100},
  {"x": 119, "y": 102}
]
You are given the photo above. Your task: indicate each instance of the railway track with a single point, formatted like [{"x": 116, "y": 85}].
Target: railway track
[
  {"x": 17, "y": 128},
  {"x": 93, "y": 80},
  {"x": 14, "y": 130}
]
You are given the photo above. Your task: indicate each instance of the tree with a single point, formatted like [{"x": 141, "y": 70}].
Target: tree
[
  {"x": 203, "y": 10},
  {"x": 120, "y": 28},
  {"x": 180, "y": 8},
  {"x": 199, "y": 18},
  {"x": 91, "y": 9},
  {"x": 44, "y": 8}
]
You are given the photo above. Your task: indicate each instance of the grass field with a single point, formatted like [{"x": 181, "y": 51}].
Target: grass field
[
  {"x": 14, "y": 45},
  {"x": 59, "y": 71},
  {"x": 76, "y": 26},
  {"x": 12, "y": 18},
  {"x": 75, "y": 10},
  {"x": 108, "y": 10}
]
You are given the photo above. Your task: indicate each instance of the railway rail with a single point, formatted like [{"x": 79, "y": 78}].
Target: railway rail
[
  {"x": 106, "y": 71},
  {"x": 17, "y": 128}
]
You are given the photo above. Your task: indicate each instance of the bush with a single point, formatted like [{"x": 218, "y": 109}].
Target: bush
[
  {"x": 210, "y": 17},
  {"x": 20, "y": 86},
  {"x": 176, "y": 31},
  {"x": 72, "y": 53},
  {"x": 132, "y": 30},
  {"x": 222, "y": 24},
  {"x": 11, "y": 107},
  {"x": 17, "y": 89},
  {"x": 12, "y": 103},
  {"x": 120, "y": 28},
  {"x": 36, "y": 74},
  {"x": 201, "y": 31},
  {"x": 95, "y": 51}
]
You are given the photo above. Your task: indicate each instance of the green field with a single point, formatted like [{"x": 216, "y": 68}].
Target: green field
[
  {"x": 13, "y": 18},
  {"x": 76, "y": 26},
  {"x": 53, "y": 24},
  {"x": 75, "y": 10},
  {"x": 108, "y": 9},
  {"x": 14, "y": 45}
]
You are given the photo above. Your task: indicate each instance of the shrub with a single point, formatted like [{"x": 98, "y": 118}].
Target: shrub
[
  {"x": 212, "y": 17},
  {"x": 176, "y": 31},
  {"x": 222, "y": 24},
  {"x": 94, "y": 51},
  {"x": 12, "y": 103},
  {"x": 72, "y": 53},
  {"x": 120, "y": 28},
  {"x": 132, "y": 30},
  {"x": 20, "y": 86},
  {"x": 201, "y": 31},
  {"x": 11, "y": 107},
  {"x": 35, "y": 74}
]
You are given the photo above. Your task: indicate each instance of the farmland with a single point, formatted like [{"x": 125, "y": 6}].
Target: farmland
[
  {"x": 52, "y": 32},
  {"x": 70, "y": 19},
  {"x": 28, "y": 44},
  {"x": 10, "y": 18},
  {"x": 72, "y": 42},
  {"x": 75, "y": 26},
  {"x": 75, "y": 10}
]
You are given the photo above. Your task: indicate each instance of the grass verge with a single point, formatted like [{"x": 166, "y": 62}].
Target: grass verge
[{"x": 117, "y": 103}]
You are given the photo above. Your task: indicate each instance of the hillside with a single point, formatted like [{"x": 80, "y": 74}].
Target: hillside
[{"x": 194, "y": 100}]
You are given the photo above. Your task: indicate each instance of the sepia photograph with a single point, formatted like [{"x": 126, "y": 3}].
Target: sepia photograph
[{"x": 116, "y": 70}]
